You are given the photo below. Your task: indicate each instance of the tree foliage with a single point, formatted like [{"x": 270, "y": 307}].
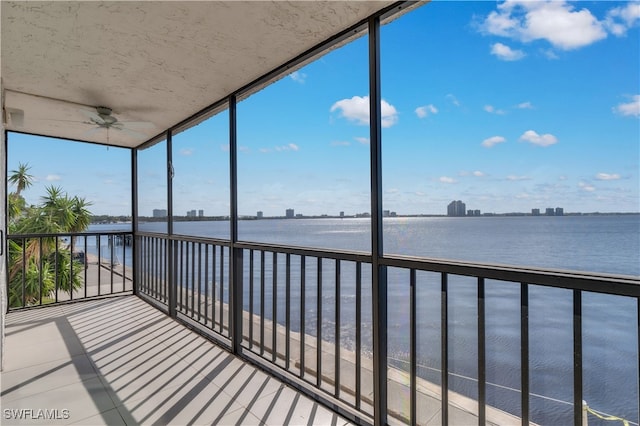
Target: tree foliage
[{"x": 40, "y": 265}]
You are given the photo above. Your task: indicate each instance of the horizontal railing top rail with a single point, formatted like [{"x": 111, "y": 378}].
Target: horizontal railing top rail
[
  {"x": 189, "y": 238},
  {"x": 66, "y": 234},
  {"x": 623, "y": 285}
]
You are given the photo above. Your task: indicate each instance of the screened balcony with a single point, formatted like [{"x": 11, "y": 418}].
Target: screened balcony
[{"x": 232, "y": 316}]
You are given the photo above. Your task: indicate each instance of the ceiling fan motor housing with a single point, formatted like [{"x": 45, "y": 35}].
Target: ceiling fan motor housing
[{"x": 105, "y": 114}]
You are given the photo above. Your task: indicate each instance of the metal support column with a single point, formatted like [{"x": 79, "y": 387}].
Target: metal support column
[
  {"x": 379, "y": 271},
  {"x": 235, "y": 254},
  {"x": 134, "y": 218},
  {"x": 171, "y": 278}
]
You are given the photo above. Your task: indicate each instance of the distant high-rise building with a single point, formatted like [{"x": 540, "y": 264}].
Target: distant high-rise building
[
  {"x": 559, "y": 211},
  {"x": 476, "y": 213},
  {"x": 290, "y": 213},
  {"x": 550, "y": 211},
  {"x": 341, "y": 214},
  {"x": 159, "y": 213},
  {"x": 259, "y": 215},
  {"x": 535, "y": 212},
  {"x": 385, "y": 213},
  {"x": 200, "y": 213},
  {"x": 191, "y": 213},
  {"x": 456, "y": 208}
]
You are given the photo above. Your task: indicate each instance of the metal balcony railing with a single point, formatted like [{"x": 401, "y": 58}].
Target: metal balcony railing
[
  {"x": 307, "y": 315},
  {"x": 52, "y": 268}
]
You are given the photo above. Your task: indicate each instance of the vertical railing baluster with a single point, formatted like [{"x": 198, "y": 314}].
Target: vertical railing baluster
[
  {"x": 221, "y": 307},
  {"x": 181, "y": 282},
  {"x": 172, "y": 269},
  {"x": 24, "y": 273},
  {"x": 111, "y": 265},
  {"x": 124, "y": 262},
  {"x": 337, "y": 332},
  {"x": 85, "y": 266},
  {"x": 199, "y": 280},
  {"x": 444, "y": 356},
  {"x": 482, "y": 377},
  {"x": 274, "y": 307},
  {"x": 40, "y": 252},
  {"x": 412, "y": 346},
  {"x": 577, "y": 357},
  {"x": 214, "y": 278},
  {"x": 303, "y": 280},
  {"x": 158, "y": 284},
  {"x": 358, "y": 334},
  {"x": 99, "y": 263},
  {"x": 251, "y": 299},
  {"x": 146, "y": 254},
  {"x": 319, "y": 325},
  {"x": 524, "y": 352},
  {"x": 193, "y": 278},
  {"x": 70, "y": 283},
  {"x": 261, "y": 302},
  {"x": 287, "y": 320},
  {"x": 167, "y": 258},
  {"x": 55, "y": 268},
  {"x": 206, "y": 284}
]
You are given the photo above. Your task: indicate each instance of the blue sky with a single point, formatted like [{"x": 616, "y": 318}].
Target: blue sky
[{"x": 506, "y": 106}]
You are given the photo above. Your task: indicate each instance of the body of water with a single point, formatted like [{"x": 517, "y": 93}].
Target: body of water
[{"x": 604, "y": 244}]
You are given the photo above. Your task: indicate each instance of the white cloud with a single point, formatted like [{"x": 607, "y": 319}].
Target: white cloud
[
  {"x": 447, "y": 179},
  {"x": 478, "y": 173},
  {"x": 586, "y": 187},
  {"x": 607, "y": 176},
  {"x": 357, "y": 109},
  {"x": 525, "y": 105},
  {"x": 557, "y": 22},
  {"x": 425, "y": 110},
  {"x": 289, "y": 147},
  {"x": 620, "y": 19},
  {"x": 540, "y": 140},
  {"x": 298, "y": 77},
  {"x": 491, "y": 110},
  {"x": 362, "y": 140},
  {"x": 453, "y": 99},
  {"x": 225, "y": 148},
  {"x": 53, "y": 178},
  {"x": 493, "y": 140},
  {"x": 515, "y": 178},
  {"x": 186, "y": 151},
  {"x": 630, "y": 108},
  {"x": 505, "y": 53},
  {"x": 340, "y": 143}
]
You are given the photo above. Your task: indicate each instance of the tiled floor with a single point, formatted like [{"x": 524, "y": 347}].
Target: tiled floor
[{"x": 120, "y": 361}]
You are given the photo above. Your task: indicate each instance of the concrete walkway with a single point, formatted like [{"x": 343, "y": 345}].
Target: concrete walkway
[{"x": 119, "y": 361}]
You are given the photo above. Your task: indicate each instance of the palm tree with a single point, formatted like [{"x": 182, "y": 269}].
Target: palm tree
[
  {"x": 38, "y": 258},
  {"x": 20, "y": 178}
]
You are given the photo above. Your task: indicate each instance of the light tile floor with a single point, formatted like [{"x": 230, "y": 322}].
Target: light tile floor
[{"x": 120, "y": 361}]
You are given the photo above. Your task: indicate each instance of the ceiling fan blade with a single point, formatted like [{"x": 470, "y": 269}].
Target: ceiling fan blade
[
  {"x": 133, "y": 134},
  {"x": 92, "y": 132},
  {"x": 138, "y": 124},
  {"x": 93, "y": 116}
]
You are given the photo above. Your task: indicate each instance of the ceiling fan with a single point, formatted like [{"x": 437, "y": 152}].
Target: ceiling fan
[{"x": 103, "y": 118}]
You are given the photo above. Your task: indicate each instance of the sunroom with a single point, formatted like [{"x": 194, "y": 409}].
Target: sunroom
[{"x": 273, "y": 238}]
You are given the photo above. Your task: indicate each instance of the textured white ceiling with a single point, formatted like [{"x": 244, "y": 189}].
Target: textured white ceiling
[{"x": 150, "y": 61}]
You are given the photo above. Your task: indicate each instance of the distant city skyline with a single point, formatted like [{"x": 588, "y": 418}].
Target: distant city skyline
[{"x": 523, "y": 105}]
